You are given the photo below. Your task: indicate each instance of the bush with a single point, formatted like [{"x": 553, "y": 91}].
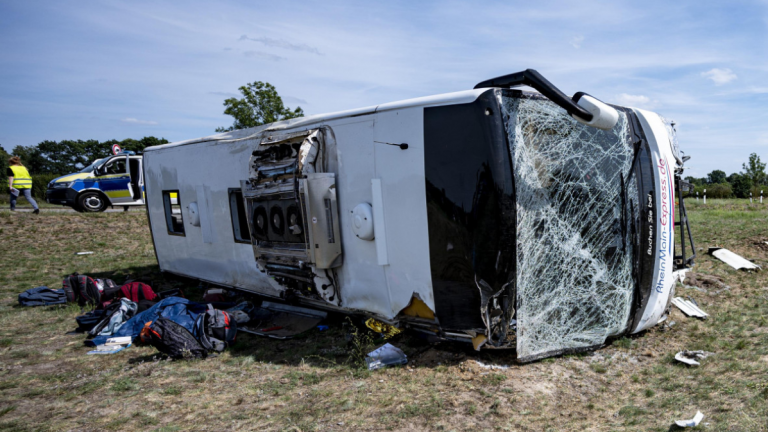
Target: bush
[
  {"x": 40, "y": 184},
  {"x": 721, "y": 190}
]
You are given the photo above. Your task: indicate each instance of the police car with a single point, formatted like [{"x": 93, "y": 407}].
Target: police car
[{"x": 116, "y": 180}]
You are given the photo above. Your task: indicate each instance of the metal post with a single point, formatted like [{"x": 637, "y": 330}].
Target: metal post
[{"x": 705, "y": 196}]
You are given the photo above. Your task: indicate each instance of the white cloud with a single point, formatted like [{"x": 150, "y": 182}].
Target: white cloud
[
  {"x": 576, "y": 41},
  {"x": 291, "y": 99},
  {"x": 720, "y": 76},
  {"x": 137, "y": 121},
  {"x": 261, "y": 54},
  {"x": 280, "y": 43},
  {"x": 638, "y": 101}
]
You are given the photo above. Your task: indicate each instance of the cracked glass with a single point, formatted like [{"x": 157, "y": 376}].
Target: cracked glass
[{"x": 576, "y": 196}]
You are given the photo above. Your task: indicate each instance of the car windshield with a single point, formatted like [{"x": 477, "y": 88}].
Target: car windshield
[
  {"x": 93, "y": 165},
  {"x": 574, "y": 256}
]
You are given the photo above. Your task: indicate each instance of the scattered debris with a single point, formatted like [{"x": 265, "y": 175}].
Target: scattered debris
[
  {"x": 689, "y": 308},
  {"x": 84, "y": 253},
  {"x": 732, "y": 259},
  {"x": 108, "y": 349},
  {"x": 386, "y": 355},
  {"x": 492, "y": 367},
  {"x": 113, "y": 345},
  {"x": 691, "y": 357},
  {"x": 388, "y": 331},
  {"x": 680, "y": 275},
  {"x": 281, "y": 321},
  {"x": 692, "y": 422}
]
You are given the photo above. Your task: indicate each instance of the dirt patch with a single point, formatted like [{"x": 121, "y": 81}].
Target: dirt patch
[
  {"x": 761, "y": 243},
  {"x": 437, "y": 357},
  {"x": 707, "y": 282}
]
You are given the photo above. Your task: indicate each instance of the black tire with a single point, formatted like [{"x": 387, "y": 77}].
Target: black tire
[{"x": 92, "y": 202}]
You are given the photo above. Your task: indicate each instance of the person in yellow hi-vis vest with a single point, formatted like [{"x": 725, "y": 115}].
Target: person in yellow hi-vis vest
[{"x": 20, "y": 183}]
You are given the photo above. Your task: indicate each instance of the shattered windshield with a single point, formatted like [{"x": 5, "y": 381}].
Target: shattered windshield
[{"x": 574, "y": 256}]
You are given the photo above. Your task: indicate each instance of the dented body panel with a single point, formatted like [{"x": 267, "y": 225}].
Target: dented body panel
[{"x": 463, "y": 191}]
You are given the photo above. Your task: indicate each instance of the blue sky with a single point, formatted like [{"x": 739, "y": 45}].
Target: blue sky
[{"x": 128, "y": 69}]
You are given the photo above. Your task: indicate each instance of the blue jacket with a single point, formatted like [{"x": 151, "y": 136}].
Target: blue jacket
[
  {"x": 177, "y": 309},
  {"x": 42, "y": 296}
]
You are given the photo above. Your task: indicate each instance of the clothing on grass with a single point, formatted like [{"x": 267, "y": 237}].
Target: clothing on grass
[
  {"x": 42, "y": 296},
  {"x": 177, "y": 309}
]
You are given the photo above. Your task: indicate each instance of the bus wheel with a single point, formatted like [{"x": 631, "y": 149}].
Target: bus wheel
[{"x": 91, "y": 202}]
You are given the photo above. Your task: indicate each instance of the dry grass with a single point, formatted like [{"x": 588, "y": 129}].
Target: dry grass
[{"x": 48, "y": 383}]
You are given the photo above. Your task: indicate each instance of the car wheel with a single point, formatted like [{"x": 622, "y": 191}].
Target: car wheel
[{"x": 91, "y": 202}]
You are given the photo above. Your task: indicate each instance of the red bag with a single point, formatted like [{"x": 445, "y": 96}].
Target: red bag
[{"x": 137, "y": 291}]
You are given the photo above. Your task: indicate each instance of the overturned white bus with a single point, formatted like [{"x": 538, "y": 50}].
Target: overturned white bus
[{"x": 493, "y": 215}]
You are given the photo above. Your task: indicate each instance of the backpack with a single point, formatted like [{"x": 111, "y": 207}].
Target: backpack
[
  {"x": 83, "y": 289},
  {"x": 42, "y": 296},
  {"x": 215, "y": 329},
  {"x": 172, "y": 339},
  {"x": 137, "y": 291},
  {"x": 86, "y": 322},
  {"x": 109, "y": 289}
]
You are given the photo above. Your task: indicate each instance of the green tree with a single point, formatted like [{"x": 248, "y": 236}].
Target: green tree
[
  {"x": 755, "y": 170},
  {"x": 3, "y": 167},
  {"x": 32, "y": 158},
  {"x": 66, "y": 156},
  {"x": 716, "y": 177},
  {"x": 741, "y": 185},
  {"x": 260, "y": 105}
]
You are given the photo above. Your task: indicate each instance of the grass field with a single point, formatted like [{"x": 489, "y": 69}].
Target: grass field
[{"x": 47, "y": 382}]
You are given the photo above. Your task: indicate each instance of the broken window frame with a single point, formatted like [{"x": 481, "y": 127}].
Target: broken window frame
[
  {"x": 168, "y": 209},
  {"x": 239, "y": 216}
]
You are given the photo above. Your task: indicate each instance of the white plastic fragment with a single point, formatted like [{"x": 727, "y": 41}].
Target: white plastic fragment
[
  {"x": 732, "y": 259},
  {"x": 692, "y": 422},
  {"x": 84, "y": 253},
  {"x": 690, "y": 357},
  {"x": 492, "y": 367},
  {"x": 689, "y": 308},
  {"x": 679, "y": 275}
]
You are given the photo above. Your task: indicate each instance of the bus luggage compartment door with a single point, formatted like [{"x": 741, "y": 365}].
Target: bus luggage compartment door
[{"x": 321, "y": 219}]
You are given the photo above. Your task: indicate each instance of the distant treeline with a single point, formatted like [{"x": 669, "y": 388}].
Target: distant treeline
[
  {"x": 66, "y": 156},
  {"x": 737, "y": 185}
]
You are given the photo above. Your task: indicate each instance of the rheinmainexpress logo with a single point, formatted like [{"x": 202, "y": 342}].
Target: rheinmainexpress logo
[{"x": 665, "y": 242}]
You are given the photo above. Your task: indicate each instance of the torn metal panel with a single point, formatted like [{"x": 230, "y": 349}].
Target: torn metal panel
[
  {"x": 689, "y": 308},
  {"x": 292, "y": 211},
  {"x": 574, "y": 266},
  {"x": 733, "y": 260},
  {"x": 417, "y": 308}
]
